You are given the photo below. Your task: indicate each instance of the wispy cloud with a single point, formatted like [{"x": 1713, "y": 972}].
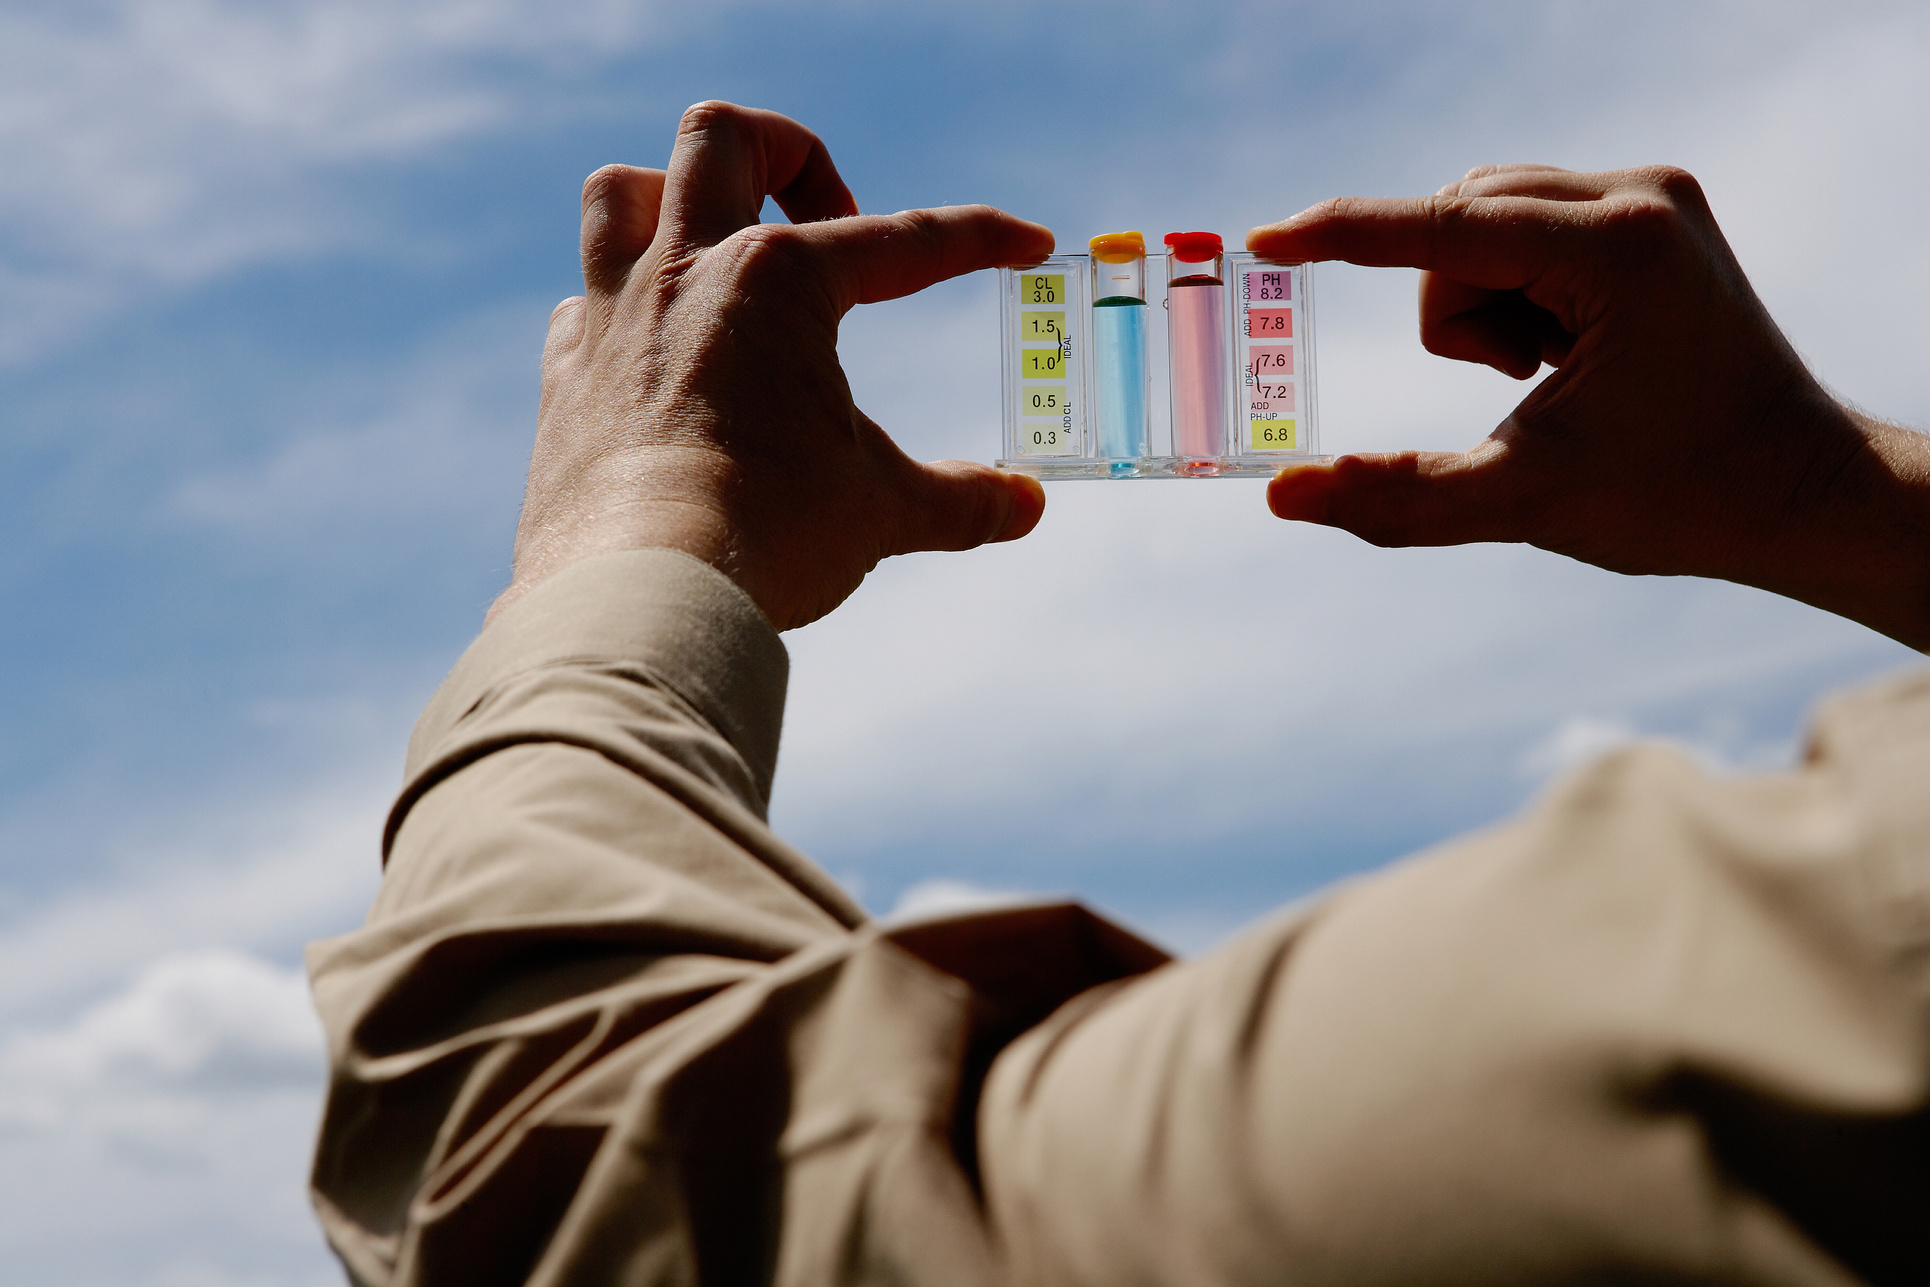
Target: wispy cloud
[
  {"x": 150, "y": 144},
  {"x": 203, "y": 1022},
  {"x": 1575, "y": 741},
  {"x": 160, "y": 1076},
  {"x": 943, "y": 896},
  {"x": 1161, "y": 662},
  {"x": 1158, "y": 642},
  {"x": 444, "y": 440},
  {"x": 126, "y": 1133},
  {"x": 1721, "y": 743},
  {"x": 299, "y": 866}
]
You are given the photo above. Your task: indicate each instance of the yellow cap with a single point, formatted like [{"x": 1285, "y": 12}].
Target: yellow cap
[{"x": 1118, "y": 247}]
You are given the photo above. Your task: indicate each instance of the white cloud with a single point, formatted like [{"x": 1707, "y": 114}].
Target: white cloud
[
  {"x": 1721, "y": 744},
  {"x": 1184, "y": 931},
  {"x": 294, "y": 868},
  {"x": 1159, "y": 660},
  {"x": 193, "y": 1023},
  {"x": 160, "y": 1074},
  {"x": 1812, "y": 161},
  {"x": 1802, "y": 121},
  {"x": 448, "y": 438},
  {"x": 1576, "y": 741},
  {"x": 941, "y": 896},
  {"x": 1155, "y": 643},
  {"x": 162, "y": 1135},
  {"x": 149, "y": 144}
]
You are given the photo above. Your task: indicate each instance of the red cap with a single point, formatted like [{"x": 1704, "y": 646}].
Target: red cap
[{"x": 1193, "y": 247}]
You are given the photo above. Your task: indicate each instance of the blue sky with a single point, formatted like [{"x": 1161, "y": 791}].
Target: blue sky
[{"x": 272, "y": 283}]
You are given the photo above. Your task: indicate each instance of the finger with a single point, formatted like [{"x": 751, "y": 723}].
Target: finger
[
  {"x": 1543, "y": 181},
  {"x": 1497, "y": 242},
  {"x": 1498, "y": 328},
  {"x": 620, "y": 208},
  {"x": 729, "y": 158},
  {"x": 958, "y": 505},
  {"x": 1469, "y": 324},
  {"x": 1480, "y": 172},
  {"x": 1413, "y": 498},
  {"x": 1509, "y": 167},
  {"x": 878, "y": 257}
]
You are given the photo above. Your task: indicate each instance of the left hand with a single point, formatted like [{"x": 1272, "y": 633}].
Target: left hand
[{"x": 692, "y": 396}]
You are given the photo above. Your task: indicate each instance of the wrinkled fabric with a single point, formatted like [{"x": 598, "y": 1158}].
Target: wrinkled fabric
[{"x": 602, "y": 1026}]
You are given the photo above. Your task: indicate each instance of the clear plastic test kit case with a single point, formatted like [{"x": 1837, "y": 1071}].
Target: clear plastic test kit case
[{"x": 1100, "y": 383}]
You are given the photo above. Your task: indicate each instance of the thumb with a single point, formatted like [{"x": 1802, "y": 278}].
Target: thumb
[
  {"x": 1413, "y": 497},
  {"x": 957, "y": 505}
]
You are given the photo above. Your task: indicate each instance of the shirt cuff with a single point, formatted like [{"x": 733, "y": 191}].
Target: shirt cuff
[{"x": 690, "y": 625}]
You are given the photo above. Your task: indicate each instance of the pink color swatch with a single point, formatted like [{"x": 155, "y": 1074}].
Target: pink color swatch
[
  {"x": 1269, "y": 323},
  {"x": 1266, "y": 360},
  {"x": 1270, "y": 398},
  {"x": 1272, "y": 284}
]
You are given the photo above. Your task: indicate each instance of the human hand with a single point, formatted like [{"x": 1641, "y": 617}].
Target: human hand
[
  {"x": 1680, "y": 432},
  {"x": 692, "y": 397}
]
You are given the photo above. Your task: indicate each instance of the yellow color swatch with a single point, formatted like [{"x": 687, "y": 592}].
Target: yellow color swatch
[
  {"x": 1042, "y": 288},
  {"x": 1273, "y": 435}
]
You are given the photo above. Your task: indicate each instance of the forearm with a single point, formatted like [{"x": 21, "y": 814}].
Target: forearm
[
  {"x": 578, "y": 857},
  {"x": 601, "y": 1017},
  {"x": 1855, "y": 536}
]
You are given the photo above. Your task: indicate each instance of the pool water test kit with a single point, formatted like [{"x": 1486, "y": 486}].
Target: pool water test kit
[{"x": 1231, "y": 396}]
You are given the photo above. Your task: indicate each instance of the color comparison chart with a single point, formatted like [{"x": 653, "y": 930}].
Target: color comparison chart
[{"x": 1087, "y": 357}]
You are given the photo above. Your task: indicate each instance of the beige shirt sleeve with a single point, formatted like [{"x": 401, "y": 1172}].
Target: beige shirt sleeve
[
  {"x": 1669, "y": 1025},
  {"x": 603, "y": 1027}
]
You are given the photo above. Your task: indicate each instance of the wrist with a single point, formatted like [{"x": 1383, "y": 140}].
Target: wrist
[
  {"x": 1902, "y": 528},
  {"x": 668, "y": 501},
  {"x": 1858, "y": 543}
]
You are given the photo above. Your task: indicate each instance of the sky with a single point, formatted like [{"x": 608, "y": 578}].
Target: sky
[{"x": 273, "y": 282}]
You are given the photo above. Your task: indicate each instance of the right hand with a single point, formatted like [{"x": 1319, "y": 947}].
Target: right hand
[{"x": 1680, "y": 434}]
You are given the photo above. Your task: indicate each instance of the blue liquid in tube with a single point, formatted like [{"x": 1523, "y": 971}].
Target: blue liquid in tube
[
  {"x": 1119, "y": 349},
  {"x": 1119, "y": 367}
]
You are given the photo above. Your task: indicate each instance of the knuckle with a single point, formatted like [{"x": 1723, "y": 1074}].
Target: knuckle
[
  {"x": 1646, "y": 217},
  {"x": 1442, "y": 215},
  {"x": 975, "y": 218},
  {"x": 766, "y": 250},
  {"x": 602, "y": 182},
  {"x": 1673, "y": 182},
  {"x": 1658, "y": 203},
  {"x": 709, "y": 115},
  {"x": 923, "y": 227}
]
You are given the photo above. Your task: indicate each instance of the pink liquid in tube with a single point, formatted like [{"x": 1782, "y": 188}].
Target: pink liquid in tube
[{"x": 1197, "y": 347}]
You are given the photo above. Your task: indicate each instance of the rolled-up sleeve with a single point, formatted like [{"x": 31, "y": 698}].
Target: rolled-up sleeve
[{"x": 603, "y": 1026}]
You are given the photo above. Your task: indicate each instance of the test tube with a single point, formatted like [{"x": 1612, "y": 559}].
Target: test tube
[
  {"x": 1197, "y": 346},
  {"x": 1119, "y": 348}
]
